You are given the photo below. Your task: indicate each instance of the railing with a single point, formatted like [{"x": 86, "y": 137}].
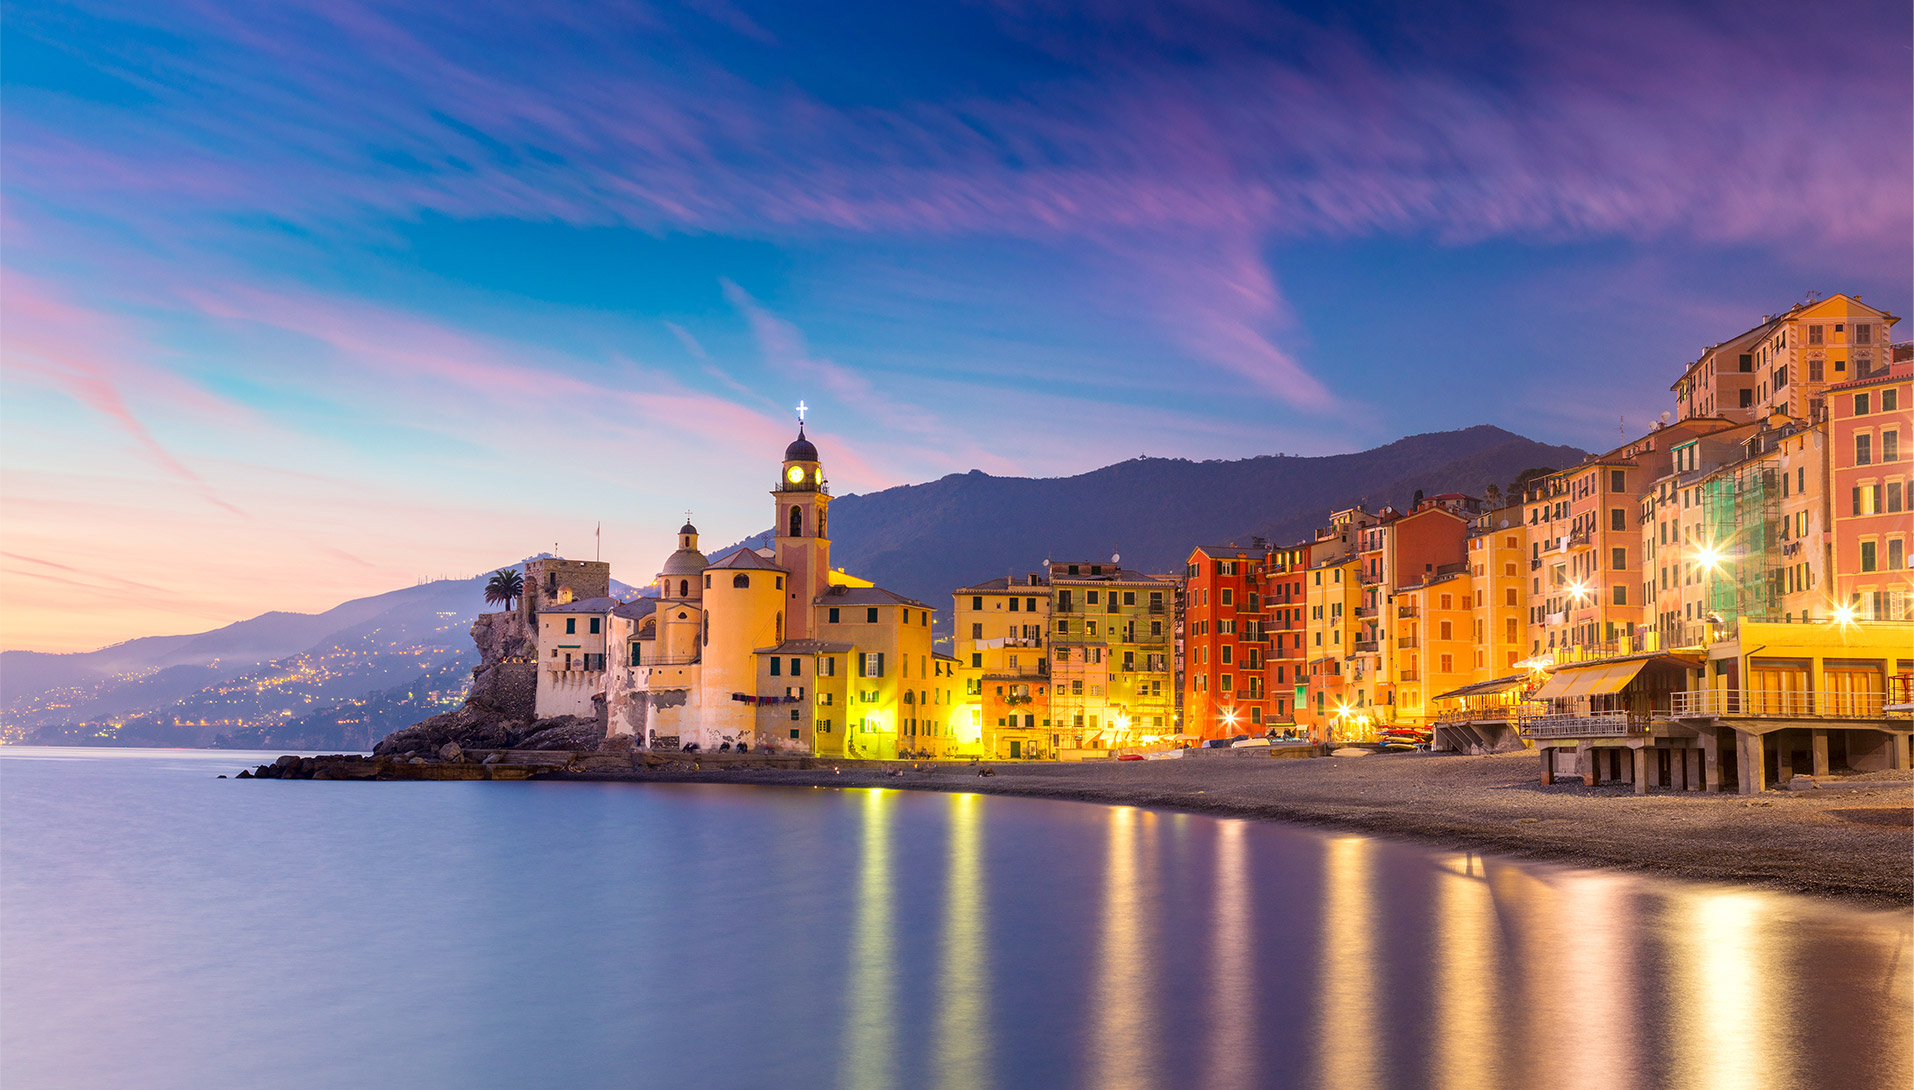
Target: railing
[
  {"x": 1493, "y": 713},
  {"x": 1366, "y": 612},
  {"x": 1535, "y": 564},
  {"x": 1367, "y": 647},
  {"x": 1597, "y": 723},
  {"x": 1405, "y": 612},
  {"x": 1409, "y": 643},
  {"x": 1785, "y": 705},
  {"x": 1577, "y": 540}
]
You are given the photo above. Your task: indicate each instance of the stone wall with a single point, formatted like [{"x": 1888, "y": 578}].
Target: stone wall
[{"x": 506, "y": 678}]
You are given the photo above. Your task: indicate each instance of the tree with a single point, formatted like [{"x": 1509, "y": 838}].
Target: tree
[{"x": 506, "y": 586}]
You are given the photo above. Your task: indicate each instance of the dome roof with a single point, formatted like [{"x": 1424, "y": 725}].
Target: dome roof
[
  {"x": 687, "y": 528},
  {"x": 684, "y": 562},
  {"x": 800, "y": 449}
]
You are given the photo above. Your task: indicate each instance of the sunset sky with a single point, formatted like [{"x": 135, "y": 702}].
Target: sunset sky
[{"x": 304, "y": 301}]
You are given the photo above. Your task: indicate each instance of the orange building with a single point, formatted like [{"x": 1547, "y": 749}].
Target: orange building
[{"x": 1870, "y": 422}]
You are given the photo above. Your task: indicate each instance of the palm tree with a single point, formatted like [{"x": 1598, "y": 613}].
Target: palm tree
[{"x": 506, "y": 585}]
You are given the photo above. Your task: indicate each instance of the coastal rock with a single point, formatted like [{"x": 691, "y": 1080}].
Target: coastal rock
[{"x": 450, "y": 751}]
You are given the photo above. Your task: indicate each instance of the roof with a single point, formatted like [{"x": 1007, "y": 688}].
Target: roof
[
  {"x": 1004, "y": 584},
  {"x": 600, "y": 604},
  {"x": 636, "y": 609},
  {"x": 745, "y": 557},
  {"x": 1484, "y": 688},
  {"x": 1894, "y": 372},
  {"x": 807, "y": 647},
  {"x": 800, "y": 449},
  {"x": 864, "y": 596},
  {"x": 1111, "y": 573},
  {"x": 684, "y": 562},
  {"x": 1261, "y": 552}
]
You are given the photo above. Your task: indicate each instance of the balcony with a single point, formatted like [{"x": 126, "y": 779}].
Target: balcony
[
  {"x": 1407, "y": 612},
  {"x": 1766, "y": 703},
  {"x": 1409, "y": 643},
  {"x": 1367, "y": 612},
  {"x": 1367, "y": 647},
  {"x": 1581, "y": 540},
  {"x": 1535, "y": 565}
]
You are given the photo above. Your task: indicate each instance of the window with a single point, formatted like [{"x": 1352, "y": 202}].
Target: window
[
  {"x": 1445, "y": 630},
  {"x": 1090, "y": 597},
  {"x": 1617, "y": 519},
  {"x": 797, "y": 667},
  {"x": 684, "y": 588},
  {"x": 1867, "y": 556},
  {"x": 594, "y": 626},
  {"x": 1896, "y": 555},
  {"x": 1621, "y": 594},
  {"x": 1030, "y": 605},
  {"x": 634, "y": 653},
  {"x": 1890, "y": 446},
  {"x": 871, "y": 664},
  {"x": 1746, "y": 362},
  {"x": 571, "y": 626},
  {"x": 830, "y": 670},
  {"x": 833, "y": 615},
  {"x": 1223, "y": 654},
  {"x": 1860, "y": 404},
  {"x": 976, "y": 601},
  {"x": 740, "y": 581},
  {"x": 1890, "y": 399},
  {"x": 776, "y": 665},
  {"x": 1814, "y": 370},
  {"x": 1448, "y": 664},
  {"x": 870, "y": 615},
  {"x": 1229, "y": 597},
  {"x": 1814, "y": 334},
  {"x": 1863, "y": 450},
  {"x": 1129, "y": 599},
  {"x": 1863, "y": 334},
  {"x": 1747, "y": 396},
  {"x": 797, "y": 522},
  {"x": 1618, "y": 559},
  {"x": 1617, "y": 480}
]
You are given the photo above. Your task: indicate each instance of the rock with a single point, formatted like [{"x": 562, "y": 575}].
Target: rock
[
  {"x": 491, "y": 759},
  {"x": 288, "y": 761},
  {"x": 244, "y": 775},
  {"x": 415, "y": 760},
  {"x": 450, "y": 751},
  {"x": 222, "y": 775}
]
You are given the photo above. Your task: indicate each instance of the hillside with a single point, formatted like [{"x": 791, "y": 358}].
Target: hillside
[
  {"x": 346, "y": 677},
  {"x": 924, "y": 540}
]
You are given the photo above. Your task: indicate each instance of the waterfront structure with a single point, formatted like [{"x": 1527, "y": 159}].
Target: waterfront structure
[
  {"x": 1082, "y": 669},
  {"x": 1226, "y": 685},
  {"x": 764, "y": 647}
]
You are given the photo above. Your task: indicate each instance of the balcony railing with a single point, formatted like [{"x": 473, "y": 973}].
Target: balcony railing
[
  {"x": 1366, "y": 612},
  {"x": 1409, "y": 643},
  {"x": 1406, "y": 611},
  {"x": 1781, "y": 705},
  {"x": 1581, "y": 539},
  {"x": 1493, "y": 713},
  {"x": 1368, "y": 647},
  {"x": 1596, "y": 723}
]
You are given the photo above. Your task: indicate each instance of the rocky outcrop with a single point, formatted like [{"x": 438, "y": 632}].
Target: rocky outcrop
[
  {"x": 477, "y": 727},
  {"x": 505, "y": 681}
]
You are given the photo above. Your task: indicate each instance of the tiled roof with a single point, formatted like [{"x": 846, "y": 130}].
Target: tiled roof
[
  {"x": 807, "y": 647},
  {"x": 864, "y": 596},
  {"x": 743, "y": 557},
  {"x": 584, "y": 605}
]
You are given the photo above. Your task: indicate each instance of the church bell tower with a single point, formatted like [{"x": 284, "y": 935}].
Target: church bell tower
[{"x": 800, "y": 536}]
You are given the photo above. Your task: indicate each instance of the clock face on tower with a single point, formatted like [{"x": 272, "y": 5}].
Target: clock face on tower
[{"x": 795, "y": 474}]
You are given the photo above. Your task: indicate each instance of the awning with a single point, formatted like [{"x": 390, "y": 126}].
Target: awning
[
  {"x": 1612, "y": 678},
  {"x": 1598, "y": 679},
  {"x": 1485, "y": 688}
]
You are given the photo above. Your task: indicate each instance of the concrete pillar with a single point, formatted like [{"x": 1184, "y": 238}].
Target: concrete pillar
[
  {"x": 1641, "y": 770},
  {"x": 1711, "y": 759},
  {"x": 1691, "y": 768},
  {"x": 1897, "y": 746},
  {"x": 1753, "y": 758},
  {"x": 1625, "y": 765},
  {"x": 1820, "y": 752},
  {"x": 1783, "y": 760},
  {"x": 1548, "y": 765},
  {"x": 1590, "y": 774}
]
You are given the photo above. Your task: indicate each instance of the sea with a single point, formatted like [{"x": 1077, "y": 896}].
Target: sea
[{"x": 161, "y": 927}]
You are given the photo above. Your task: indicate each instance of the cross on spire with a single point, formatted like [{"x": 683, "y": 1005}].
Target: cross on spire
[{"x": 802, "y": 409}]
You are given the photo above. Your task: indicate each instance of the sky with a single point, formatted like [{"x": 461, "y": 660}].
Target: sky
[{"x": 302, "y": 301}]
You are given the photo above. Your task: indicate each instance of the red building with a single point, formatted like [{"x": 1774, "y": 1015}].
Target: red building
[
  {"x": 1242, "y": 632},
  {"x": 1870, "y": 422}
]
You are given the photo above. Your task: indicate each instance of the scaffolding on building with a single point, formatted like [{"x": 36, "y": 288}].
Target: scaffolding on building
[{"x": 1742, "y": 512}]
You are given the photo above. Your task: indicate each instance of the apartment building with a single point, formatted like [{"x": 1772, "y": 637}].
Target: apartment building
[
  {"x": 1784, "y": 364},
  {"x": 1870, "y": 422},
  {"x": 1226, "y": 676}
]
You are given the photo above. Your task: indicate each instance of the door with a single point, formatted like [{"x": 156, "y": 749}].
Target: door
[
  {"x": 1855, "y": 690},
  {"x": 1777, "y": 687}
]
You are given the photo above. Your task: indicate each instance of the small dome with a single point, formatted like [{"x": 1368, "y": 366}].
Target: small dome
[
  {"x": 687, "y": 528},
  {"x": 685, "y": 562},
  {"x": 800, "y": 449}
]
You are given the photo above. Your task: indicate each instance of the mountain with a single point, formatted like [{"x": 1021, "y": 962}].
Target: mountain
[
  {"x": 346, "y": 677},
  {"x": 339, "y": 679},
  {"x": 926, "y": 540}
]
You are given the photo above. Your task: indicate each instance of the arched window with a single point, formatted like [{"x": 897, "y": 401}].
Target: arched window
[
  {"x": 740, "y": 580},
  {"x": 797, "y": 521},
  {"x": 820, "y": 522},
  {"x": 684, "y": 588}
]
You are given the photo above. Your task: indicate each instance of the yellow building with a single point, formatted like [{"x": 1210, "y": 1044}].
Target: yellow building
[
  {"x": 1785, "y": 364},
  {"x": 762, "y": 648}
]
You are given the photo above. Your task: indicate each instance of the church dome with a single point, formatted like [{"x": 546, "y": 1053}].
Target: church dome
[
  {"x": 687, "y": 528},
  {"x": 685, "y": 562},
  {"x": 800, "y": 449}
]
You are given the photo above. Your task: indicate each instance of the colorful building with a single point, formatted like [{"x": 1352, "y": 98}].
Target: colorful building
[{"x": 1870, "y": 422}]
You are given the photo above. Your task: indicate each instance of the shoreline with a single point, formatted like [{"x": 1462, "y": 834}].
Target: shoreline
[{"x": 1853, "y": 844}]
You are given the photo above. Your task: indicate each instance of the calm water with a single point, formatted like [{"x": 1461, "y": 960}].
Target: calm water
[{"x": 162, "y": 928}]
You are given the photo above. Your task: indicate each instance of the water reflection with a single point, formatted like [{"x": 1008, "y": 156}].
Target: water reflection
[
  {"x": 963, "y": 983},
  {"x": 1232, "y": 1051},
  {"x": 870, "y": 1049},
  {"x": 1465, "y": 930},
  {"x": 1121, "y": 1053},
  {"x": 1595, "y": 920},
  {"x": 1347, "y": 1032},
  {"x": 1730, "y": 1028}
]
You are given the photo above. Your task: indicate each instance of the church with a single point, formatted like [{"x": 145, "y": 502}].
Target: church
[{"x": 769, "y": 648}]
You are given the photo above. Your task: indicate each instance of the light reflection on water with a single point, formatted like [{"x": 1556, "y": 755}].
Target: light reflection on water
[{"x": 164, "y": 929}]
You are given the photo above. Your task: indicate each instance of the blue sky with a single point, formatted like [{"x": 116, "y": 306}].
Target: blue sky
[{"x": 346, "y": 294}]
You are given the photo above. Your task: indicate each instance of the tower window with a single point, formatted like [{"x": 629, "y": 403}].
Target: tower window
[
  {"x": 684, "y": 588},
  {"x": 741, "y": 580},
  {"x": 797, "y": 521}
]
